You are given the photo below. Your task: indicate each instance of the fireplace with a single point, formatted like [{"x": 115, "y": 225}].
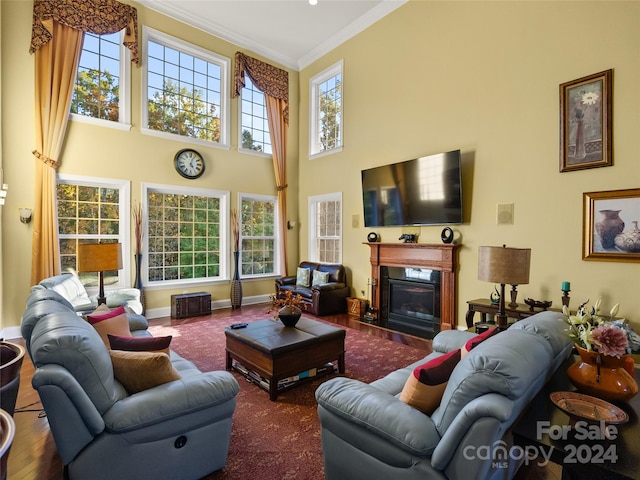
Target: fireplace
[
  {"x": 414, "y": 286},
  {"x": 410, "y": 300}
]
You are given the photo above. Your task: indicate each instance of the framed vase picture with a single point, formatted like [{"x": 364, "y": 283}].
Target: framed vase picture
[
  {"x": 586, "y": 122},
  {"x": 610, "y": 225}
]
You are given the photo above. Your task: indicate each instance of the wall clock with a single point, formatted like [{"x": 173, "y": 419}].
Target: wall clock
[{"x": 189, "y": 163}]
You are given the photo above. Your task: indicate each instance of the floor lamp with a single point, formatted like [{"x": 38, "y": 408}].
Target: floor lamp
[
  {"x": 504, "y": 266},
  {"x": 99, "y": 257}
]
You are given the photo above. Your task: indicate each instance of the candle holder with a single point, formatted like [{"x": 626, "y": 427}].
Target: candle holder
[{"x": 565, "y": 298}]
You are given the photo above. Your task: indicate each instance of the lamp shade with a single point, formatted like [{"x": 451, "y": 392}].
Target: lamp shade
[
  {"x": 504, "y": 265},
  {"x": 99, "y": 257}
]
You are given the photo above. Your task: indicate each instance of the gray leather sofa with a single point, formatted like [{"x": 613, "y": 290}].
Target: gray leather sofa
[
  {"x": 367, "y": 432},
  {"x": 179, "y": 429}
]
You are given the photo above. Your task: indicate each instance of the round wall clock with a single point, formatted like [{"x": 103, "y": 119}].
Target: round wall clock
[{"x": 189, "y": 163}]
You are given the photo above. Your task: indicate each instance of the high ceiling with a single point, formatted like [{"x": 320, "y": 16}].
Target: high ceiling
[{"x": 291, "y": 32}]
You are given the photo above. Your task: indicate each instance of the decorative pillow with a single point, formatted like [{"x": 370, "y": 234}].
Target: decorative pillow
[
  {"x": 302, "y": 277},
  {"x": 114, "y": 322},
  {"x": 425, "y": 386},
  {"x": 477, "y": 340},
  {"x": 319, "y": 277},
  {"x": 138, "y": 371},
  {"x": 102, "y": 308},
  {"x": 140, "y": 344}
]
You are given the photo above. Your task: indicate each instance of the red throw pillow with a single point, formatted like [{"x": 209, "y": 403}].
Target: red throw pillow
[
  {"x": 93, "y": 319},
  {"x": 478, "y": 339},
  {"x": 140, "y": 344},
  {"x": 425, "y": 386}
]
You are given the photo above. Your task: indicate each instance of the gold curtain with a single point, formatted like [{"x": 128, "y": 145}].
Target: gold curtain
[
  {"x": 56, "y": 63},
  {"x": 56, "y": 39},
  {"x": 274, "y": 83}
]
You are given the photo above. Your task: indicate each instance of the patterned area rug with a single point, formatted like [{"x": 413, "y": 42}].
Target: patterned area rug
[{"x": 280, "y": 440}]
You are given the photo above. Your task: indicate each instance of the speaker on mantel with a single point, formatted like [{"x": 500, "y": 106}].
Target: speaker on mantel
[
  {"x": 373, "y": 237},
  {"x": 446, "y": 235}
]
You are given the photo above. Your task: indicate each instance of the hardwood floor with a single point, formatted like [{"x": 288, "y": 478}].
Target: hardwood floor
[{"x": 33, "y": 453}]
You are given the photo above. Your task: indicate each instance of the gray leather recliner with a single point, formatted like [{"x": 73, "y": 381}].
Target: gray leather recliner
[
  {"x": 180, "y": 429},
  {"x": 367, "y": 432}
]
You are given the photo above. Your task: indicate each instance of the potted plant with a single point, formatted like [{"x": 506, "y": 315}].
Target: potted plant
[{"x": 287, "y": 308}]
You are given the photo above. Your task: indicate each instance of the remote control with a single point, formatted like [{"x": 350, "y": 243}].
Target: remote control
[{"x": 238, "y": 325}]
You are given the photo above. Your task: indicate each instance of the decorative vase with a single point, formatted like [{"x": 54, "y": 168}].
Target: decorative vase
[
  {"x": 603, "y": 376},
  {"x": 609, "y": 226},
  {"x": 236, "y": 284},
  {"x": 629, "y": 241},
  {"x": 580, "y": 147},
  {"x": 289, "y": 316},
  {"x": 137, "y": 283}
]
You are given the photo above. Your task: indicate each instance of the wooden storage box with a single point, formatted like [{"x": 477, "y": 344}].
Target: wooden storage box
[
  {"x": 356, "y": 306},
  {"x": 190, "y": 305}
]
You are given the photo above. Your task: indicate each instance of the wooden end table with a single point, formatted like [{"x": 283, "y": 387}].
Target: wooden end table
[
  {"x": 276, "y": 352},
  {"x": 485, "y": 307}
]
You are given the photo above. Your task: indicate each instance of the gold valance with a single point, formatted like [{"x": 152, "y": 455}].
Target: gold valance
[
  {"x": 95, "y": 16},
  {"x": 268, "y": 79}
]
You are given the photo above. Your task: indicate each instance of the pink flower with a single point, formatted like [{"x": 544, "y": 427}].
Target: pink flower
[{"x": 609, "y": 340}]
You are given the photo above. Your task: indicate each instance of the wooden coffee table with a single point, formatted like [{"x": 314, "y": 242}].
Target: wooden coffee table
[{"x": 276, "y": 352}]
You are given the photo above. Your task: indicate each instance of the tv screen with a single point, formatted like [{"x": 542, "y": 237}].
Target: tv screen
[{"x": 422, "y": 191}]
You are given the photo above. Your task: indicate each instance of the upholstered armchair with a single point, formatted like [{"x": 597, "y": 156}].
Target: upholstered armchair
[
  {"x": 70, "y": 287},
  {"x": 323, "y": 287}
]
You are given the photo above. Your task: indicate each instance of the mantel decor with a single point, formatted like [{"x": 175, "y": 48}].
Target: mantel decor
[
  {"x": 586, "y": 122},
  {"x": 610, "y": 226}
]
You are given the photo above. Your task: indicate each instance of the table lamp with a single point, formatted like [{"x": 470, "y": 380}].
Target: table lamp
[
  {"x": 504, "y": 266},
  {"x": 99, "y": 257}
]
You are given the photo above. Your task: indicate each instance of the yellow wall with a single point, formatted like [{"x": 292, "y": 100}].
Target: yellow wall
[
  {"x": 484, "y": 77},
  {"x": 104, "y": 152},
  {"x": 431, "y": 77}
]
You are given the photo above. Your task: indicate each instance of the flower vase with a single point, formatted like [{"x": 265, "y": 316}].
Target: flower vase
[
  {"x": 289, "y": 316},
  {"x": 603, "y": 376},
  {"x": 236, "y": 284},
  {"x": 629, "y": 241},
  {"x": 137, "y": 283},
  {"x": 580, "y": 146}
]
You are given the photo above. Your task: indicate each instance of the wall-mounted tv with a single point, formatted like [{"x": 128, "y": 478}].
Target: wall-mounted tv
[{"x": 421, "y": 191}]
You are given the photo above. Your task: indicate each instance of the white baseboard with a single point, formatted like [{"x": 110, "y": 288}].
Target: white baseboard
[
  {"x": 215, "y": 305},
  {"x": 10, "y": 332}
]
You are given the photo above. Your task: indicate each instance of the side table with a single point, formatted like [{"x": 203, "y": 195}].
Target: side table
[
  {"x": 485, "y": 307},
  {"x": 590, "y": 456}
]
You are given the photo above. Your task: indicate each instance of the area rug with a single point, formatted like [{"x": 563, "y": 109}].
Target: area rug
[{"x": 280, "y": 440}]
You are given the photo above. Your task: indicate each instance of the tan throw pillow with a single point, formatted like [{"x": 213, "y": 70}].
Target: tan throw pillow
[
  {"x": 138, "y": 371},
  {"x": 114, "y": 322},
  {"x": 425, "y": 386}
]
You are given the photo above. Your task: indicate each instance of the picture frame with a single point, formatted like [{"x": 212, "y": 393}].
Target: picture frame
[
  {"x": 586, "y": 122},
  {"x": 610, "y": 225}
]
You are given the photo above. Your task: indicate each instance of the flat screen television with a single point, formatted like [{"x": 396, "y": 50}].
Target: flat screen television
[{"x": 421, "y": 191}]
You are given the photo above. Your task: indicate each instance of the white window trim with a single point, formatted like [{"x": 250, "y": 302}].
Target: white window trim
[
  {"x": 313, "y": 233},
  {"x": 149, "y": 33},
  {"x": 124, "y": 106},
  {"x": 248, "y": 151},
  {"x": 276, "y": 253},
  {"x": 314, "y": 82},
  {"x": 124, "y": 236},
  {"x": 225, "y": 244}
]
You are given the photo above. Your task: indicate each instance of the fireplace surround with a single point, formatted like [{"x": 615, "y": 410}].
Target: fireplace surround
[{"x": 414, "y": 286}]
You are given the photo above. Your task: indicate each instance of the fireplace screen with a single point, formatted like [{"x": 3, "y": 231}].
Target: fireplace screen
[{"x": 412, "y": 300}]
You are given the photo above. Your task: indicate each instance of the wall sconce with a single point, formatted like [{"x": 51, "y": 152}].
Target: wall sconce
[{"x": 25, "y": 215}]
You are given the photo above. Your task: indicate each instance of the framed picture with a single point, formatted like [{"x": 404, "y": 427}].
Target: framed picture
[
  {"x": 610, "y": 225},
  {"x": 585, "y": 122}
]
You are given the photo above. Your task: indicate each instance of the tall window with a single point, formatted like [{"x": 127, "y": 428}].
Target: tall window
[
  {"x": 90, "y": 211},
  {"x": 185, "y": 90},
  {"x": 186, "y": 234},
  {"x": 254, "y": 125},
  {"x": 258, "y": 235},
  {"x": 325, "y": 134},
  {"x": 101, "y": 88},
  {"x": 325, "y": 228}
]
